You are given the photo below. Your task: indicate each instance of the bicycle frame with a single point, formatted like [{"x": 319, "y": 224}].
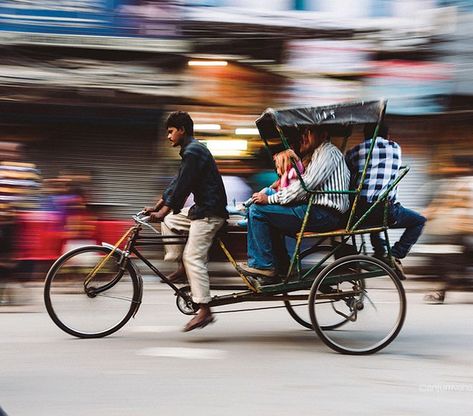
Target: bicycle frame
[
  {"x": 279, "y": 292},
  {"x": 303, "y": 279},
  {"x": 342, "y": 287}
]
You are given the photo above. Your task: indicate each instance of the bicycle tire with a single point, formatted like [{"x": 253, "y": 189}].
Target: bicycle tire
[
  {"x": 66, "y": 277},
  {"x": 299, "y": 316},
  {"x": 396, "y": 303}
]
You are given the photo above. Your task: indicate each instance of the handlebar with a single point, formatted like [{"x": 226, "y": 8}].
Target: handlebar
[
  {"x": 248, "y": 202},
  {"x": 142, "y": 218}
]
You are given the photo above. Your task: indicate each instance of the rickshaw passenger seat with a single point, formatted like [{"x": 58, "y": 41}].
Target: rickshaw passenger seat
[
  {"x": 342, "y": 232},
  {"x": 374, "y": 220}
]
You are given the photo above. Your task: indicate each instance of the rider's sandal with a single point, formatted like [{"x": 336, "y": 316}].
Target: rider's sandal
[{"x": 200, "y": 324}]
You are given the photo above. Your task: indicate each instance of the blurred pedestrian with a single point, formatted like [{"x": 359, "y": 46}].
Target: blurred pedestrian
[
  {"x": 450, "y": 217},
  {"x": 20, "y": 182},
  {"x": 79, "y": 225},
  {"x": 19, "y": 192},
  {"x": 198, "y": 174},
  {"x": 7, "y": 261}
]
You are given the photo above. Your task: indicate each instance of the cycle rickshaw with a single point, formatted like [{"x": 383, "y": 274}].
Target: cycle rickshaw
[{"x": 354, "y": 302}]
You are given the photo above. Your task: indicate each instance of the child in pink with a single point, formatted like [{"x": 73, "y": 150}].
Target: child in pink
[{"x": 285, "y": 170}]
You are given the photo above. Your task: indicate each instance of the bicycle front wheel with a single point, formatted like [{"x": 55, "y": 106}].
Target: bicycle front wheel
[{"x": 87, "y": 304}]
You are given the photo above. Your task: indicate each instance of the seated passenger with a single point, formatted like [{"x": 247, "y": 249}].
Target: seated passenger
[
  {"x": 282, "y": 213},
  {"x": 383, "y": 168},
  {"x": 287, "y": 175},
  {"x": 286, "y": 172}
]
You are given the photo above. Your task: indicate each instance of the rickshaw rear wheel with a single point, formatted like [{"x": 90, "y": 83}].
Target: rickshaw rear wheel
[
  {"x": 301, "y": 314},
  {"x": 368, "y": 293},
  {"x": 294, "y": 315}
]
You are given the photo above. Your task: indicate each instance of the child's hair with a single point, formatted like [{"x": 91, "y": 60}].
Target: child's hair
[{"x": 282, "y": 160}]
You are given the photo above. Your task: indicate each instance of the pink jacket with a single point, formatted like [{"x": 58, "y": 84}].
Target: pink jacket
[{"x": 290, "y": 176}]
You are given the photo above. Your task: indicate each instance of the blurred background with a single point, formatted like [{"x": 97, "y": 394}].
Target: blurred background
[{"x": 86, "y": 86}]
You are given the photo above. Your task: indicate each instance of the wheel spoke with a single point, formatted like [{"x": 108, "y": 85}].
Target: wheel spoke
[
  {"x": 364, "y": 330},
  {"x": 369, "y": 300},
  {"x": 116, "y": 297},
  {"x": 95, "y": 307}
]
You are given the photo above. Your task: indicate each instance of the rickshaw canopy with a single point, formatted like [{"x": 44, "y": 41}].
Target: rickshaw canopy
[{"x": 338, "y": 118}]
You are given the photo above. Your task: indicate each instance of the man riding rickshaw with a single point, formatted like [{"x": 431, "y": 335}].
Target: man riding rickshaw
[{"x": 329, "y": 273}]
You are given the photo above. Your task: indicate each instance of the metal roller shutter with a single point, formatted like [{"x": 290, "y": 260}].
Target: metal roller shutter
[{"x": 129, "y": 167}]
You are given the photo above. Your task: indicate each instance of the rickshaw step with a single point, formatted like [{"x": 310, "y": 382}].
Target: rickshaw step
[{"x": 306, "y": 284}]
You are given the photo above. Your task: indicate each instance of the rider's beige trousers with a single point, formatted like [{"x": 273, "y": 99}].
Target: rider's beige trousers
[{"x": 196, "y": 252}]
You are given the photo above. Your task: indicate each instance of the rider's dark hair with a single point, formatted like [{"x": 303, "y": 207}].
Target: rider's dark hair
[
  {"x": 369, "y": 129},
  {"x": 181, "y": 119},
  {"x": 315, "y": 129}
]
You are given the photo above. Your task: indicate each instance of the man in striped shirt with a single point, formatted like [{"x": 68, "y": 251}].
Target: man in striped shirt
[{"x": 273, "y": 216}]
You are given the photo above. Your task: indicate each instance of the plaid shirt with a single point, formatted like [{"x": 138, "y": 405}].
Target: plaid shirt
[{"x": 383, "y": 167}]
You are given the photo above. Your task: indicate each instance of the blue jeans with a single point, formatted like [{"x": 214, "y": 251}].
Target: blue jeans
[
  {"x": 267, "y": 225},
  {"x": 400, "y": 217}
]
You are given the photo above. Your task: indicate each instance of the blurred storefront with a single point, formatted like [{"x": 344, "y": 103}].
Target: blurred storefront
[
  {"x": 130, "y": 18},
  {"x": 116, "y": 148},
  {"x": 86, "y": 83}
]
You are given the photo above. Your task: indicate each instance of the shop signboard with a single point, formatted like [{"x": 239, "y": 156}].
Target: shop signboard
[
  {"x": 411, "y": 87},
  {"x": 129, "y": 18},
  {"x": 93, "y": 17}
]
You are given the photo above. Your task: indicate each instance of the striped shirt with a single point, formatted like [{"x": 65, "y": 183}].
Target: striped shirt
[
  {"x": 19, "y": 185},
  {"x": 326, "y": 171},
  {"x": 383, "y": 167}
]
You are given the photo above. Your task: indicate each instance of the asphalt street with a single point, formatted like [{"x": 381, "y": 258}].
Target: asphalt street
[{"x": 250, "y": 363}]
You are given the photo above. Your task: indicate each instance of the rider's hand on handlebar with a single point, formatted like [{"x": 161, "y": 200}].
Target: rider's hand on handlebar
[
  {"x": 157, "y": 207},
  {"x": 159, "y": 216},
  {"x": 156, "y": 217},
  {"x": 148, "y": 210}
]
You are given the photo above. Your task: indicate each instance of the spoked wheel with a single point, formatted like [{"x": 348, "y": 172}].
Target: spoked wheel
[
  {"x": 89, "y": 305},
  {"x": 367, "y": 295},
  {"x": 301, "y": 313},
  {"x": 298, "y": 309}
]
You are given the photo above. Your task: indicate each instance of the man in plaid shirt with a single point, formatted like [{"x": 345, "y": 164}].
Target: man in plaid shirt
[{"x": 383, "y": 168}]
